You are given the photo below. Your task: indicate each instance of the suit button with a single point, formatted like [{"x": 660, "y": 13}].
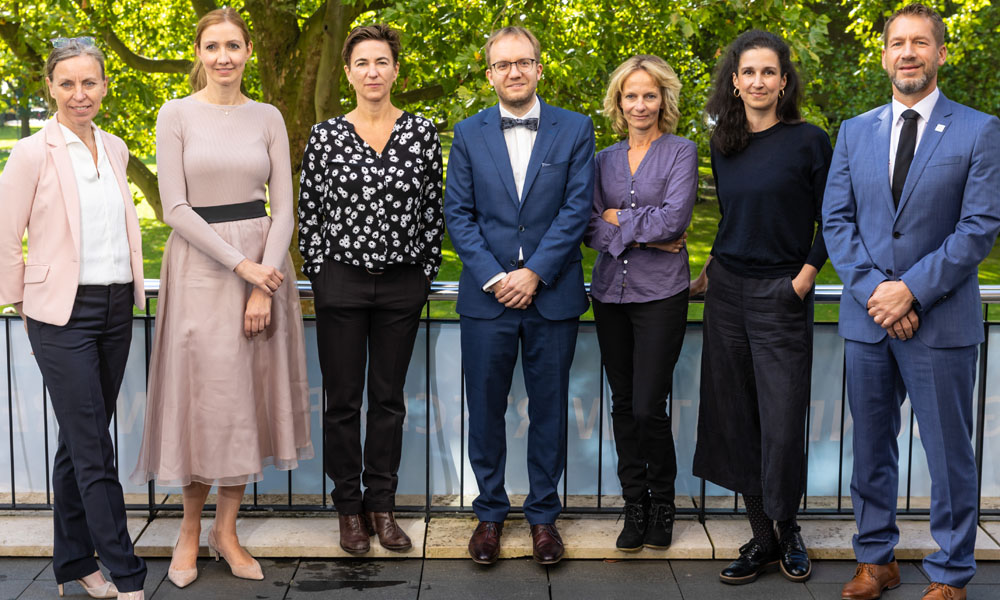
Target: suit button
[
  {"x": 896, "y": 235},
  {"x": 520, "y": 228},
  {"x": 888, "y": 271},
  {"x": 513, "y": 263}
]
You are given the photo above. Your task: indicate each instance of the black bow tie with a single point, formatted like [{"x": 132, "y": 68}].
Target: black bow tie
[{"x": 508, "y": 122}]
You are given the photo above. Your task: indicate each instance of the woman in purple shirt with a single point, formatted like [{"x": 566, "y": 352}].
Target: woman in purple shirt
[{"x": 643, "y": 196}]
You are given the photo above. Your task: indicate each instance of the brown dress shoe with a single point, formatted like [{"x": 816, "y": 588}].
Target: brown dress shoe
[
  {"x": 546, "y": 543},
  {"x": 940, "y": 591},
  {"x": 354, "y": 533},
  {"x": 484, "y": 545},
  {"x": 870, "y": 580},
  {"x": 390, "y": 535}
]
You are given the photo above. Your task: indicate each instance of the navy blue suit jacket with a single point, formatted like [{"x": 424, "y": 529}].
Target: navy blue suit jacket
[
  {"x": 947, "y": 220},
  {"x": 488, "y": 224}
]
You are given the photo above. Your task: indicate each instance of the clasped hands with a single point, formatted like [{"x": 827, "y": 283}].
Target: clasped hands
[
  {"x": 266, "y": 280},
  {"x": 517, "y": 289},
  {"x": 891, "y": 307}
]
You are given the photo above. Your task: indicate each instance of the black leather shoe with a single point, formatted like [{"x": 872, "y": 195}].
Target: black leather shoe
[
  {"x": 754, "y": 559},
  {"x": 795, "y": 565},
  {"x": 660, "y": 527},
  {"x": 634, "y": 531}
]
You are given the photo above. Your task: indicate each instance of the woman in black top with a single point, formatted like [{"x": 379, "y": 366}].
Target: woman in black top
[
  {"x": 370, "y": 228},
  {"x": 770, "y": 170}
]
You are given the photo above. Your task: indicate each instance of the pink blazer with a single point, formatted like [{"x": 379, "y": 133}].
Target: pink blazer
[{"x": 38, "y": 192}]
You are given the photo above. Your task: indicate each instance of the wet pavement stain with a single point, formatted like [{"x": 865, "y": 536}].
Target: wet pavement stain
[{"x": 359, "y": 586}]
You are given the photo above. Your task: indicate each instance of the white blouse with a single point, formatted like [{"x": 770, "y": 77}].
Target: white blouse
[{"x": 104, "y": 250}]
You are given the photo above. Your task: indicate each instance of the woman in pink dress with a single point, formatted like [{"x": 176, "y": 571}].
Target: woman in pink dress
[{"x": 228, "y": 393}]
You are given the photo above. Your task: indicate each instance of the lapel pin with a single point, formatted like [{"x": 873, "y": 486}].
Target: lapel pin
[{"x": 939, "y": 128}]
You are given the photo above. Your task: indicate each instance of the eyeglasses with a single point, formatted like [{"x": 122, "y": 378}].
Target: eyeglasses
[
  {"x": 59, "y": 42},
  {"x": 523, "y": 65}
]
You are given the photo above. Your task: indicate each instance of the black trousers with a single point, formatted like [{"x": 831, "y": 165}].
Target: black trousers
[
  {"x": 756, "y": 370},
  {"x": 82, "y": 364},
  {"x": 365, "y": 318},
  {"x": 640, "y": 343}
]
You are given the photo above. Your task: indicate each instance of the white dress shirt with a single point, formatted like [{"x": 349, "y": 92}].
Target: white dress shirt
[
  {"x": 520, "y": 141},
  {"x": 923, "y": 108},
  {"x": 104, "y": 250}
]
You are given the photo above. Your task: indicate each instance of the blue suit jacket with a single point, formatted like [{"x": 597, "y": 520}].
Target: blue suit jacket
[
  {"x": 488, "y": 224},
  {"x": 947, "y": 220}
]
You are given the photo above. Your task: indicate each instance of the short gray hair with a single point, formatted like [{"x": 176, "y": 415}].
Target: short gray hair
[{"x": 71, "y": 49}]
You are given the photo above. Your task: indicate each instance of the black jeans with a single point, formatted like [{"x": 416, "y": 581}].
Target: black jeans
[
  {"x": 640, "y": 343},
  {"x": 756, "y": 370},
  {"x": 82, "y": 364},
  {"x": 365, "y": 318}
]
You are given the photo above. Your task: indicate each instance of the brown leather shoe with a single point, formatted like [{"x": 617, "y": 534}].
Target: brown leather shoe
[
  {"x": 390, "y": 535},
  {"x": 940, "y": 591},
  {"x": 484, "y": 545},
  {"x": 870, "y": 580},
  {"x": 354, "y": 533},
  {"x": 546, "y": 543}
]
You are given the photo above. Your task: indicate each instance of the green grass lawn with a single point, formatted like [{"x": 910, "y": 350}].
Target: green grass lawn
[{"x": 701, "y": 234}]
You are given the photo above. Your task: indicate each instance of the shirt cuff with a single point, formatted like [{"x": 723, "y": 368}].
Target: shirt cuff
[{"x": 492, "y": 281}]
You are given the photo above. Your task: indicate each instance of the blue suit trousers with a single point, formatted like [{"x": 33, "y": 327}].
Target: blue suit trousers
[
  {"x": 940, "y": 385},
  {"x": 489, "y": 354}
]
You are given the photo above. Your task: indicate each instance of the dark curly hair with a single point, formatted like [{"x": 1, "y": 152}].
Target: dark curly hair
[{"x": 731, "y": 133}]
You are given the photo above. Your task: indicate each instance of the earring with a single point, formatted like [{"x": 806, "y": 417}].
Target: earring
[
  {"x": 781, "y": 93},
  {"x": 736, "y": 92}
]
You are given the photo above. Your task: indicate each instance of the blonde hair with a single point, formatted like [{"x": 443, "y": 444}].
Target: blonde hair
[
  {"x": 514, "y": 31},
  {"x": 198, "y": 79},
  {"x": 666, "y": 80}
]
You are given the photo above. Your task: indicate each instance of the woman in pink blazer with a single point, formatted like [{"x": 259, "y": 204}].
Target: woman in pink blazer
[{"x": 66, "y": 185}]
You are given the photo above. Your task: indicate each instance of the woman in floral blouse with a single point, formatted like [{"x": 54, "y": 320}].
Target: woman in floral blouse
[{"x": 370, "y": 228}]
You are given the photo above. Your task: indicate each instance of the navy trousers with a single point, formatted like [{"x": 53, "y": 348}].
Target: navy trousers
[
  {"x": 82, "y": 364},
  {"x": 489, "y": 353},
  {"x": 940, "y": 384}
]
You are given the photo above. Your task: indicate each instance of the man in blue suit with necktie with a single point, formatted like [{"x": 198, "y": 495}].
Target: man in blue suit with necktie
[
  {"x": 910, "y": 211},
  {"x": 517, "y": 201}
]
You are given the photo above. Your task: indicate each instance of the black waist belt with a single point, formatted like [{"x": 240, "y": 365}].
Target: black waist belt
[{"x": 231, "y": 212}]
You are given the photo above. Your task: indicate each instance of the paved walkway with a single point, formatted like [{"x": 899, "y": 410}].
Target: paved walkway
[{"x": 31, "y": 578}]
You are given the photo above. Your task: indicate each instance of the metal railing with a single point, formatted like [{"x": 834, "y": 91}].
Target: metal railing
[{"x": 447, "y": 292}]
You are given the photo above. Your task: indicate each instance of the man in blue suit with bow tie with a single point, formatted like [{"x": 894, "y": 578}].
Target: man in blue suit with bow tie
[
  {"x": 910, "y": 211},
  {"x": 517, "y": 201}
]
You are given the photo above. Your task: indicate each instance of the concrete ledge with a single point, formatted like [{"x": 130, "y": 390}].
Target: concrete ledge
[
  {"x": 584, "y": 538},
  {"x": 31, "y": 534},
  {"x": 831, "y": 539},
  {"x": 272, "y": 537}
]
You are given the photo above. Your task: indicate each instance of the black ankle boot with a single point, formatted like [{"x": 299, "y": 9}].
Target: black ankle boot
[
  {"x": 660, "y": 527},
  {"x": 755, "y": 558},
  {"x": 634, "y": 531},
  {"x": 795, "y": 565}
]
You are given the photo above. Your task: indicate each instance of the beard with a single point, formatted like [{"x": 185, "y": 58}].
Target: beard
[{"x": 914, "y": 85}]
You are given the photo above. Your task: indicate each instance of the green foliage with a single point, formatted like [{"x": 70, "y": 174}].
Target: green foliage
[{"x": 836, "y": 46}]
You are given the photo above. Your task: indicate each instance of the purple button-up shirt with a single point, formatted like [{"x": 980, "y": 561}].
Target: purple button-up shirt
[{"x": 654, "y": 205}]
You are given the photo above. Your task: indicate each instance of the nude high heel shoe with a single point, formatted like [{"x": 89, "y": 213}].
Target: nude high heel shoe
[
  {"x": 139, "y": 595},
  {"x": 182, "y": 577},
  {"x": 105, "y": 590},
  {"x": 251, "y": 571}
]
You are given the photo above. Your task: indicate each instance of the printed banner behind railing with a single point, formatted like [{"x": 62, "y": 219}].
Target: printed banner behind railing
[{"x": 589, "y": 435}]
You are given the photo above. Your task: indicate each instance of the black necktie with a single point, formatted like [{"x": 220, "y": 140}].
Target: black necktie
[
  {"x": 508, "y": 122},
  {"x": 904, "y": 153}
]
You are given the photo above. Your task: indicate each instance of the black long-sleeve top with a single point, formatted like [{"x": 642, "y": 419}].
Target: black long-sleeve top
[
  {"x": 770, "y": 198},
  {"x": 369, "y": 209}
]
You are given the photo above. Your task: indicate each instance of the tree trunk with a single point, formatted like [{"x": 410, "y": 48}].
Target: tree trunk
[
  {"x": 25, "y": 112},
  {"x": 142, "y": 177}
]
